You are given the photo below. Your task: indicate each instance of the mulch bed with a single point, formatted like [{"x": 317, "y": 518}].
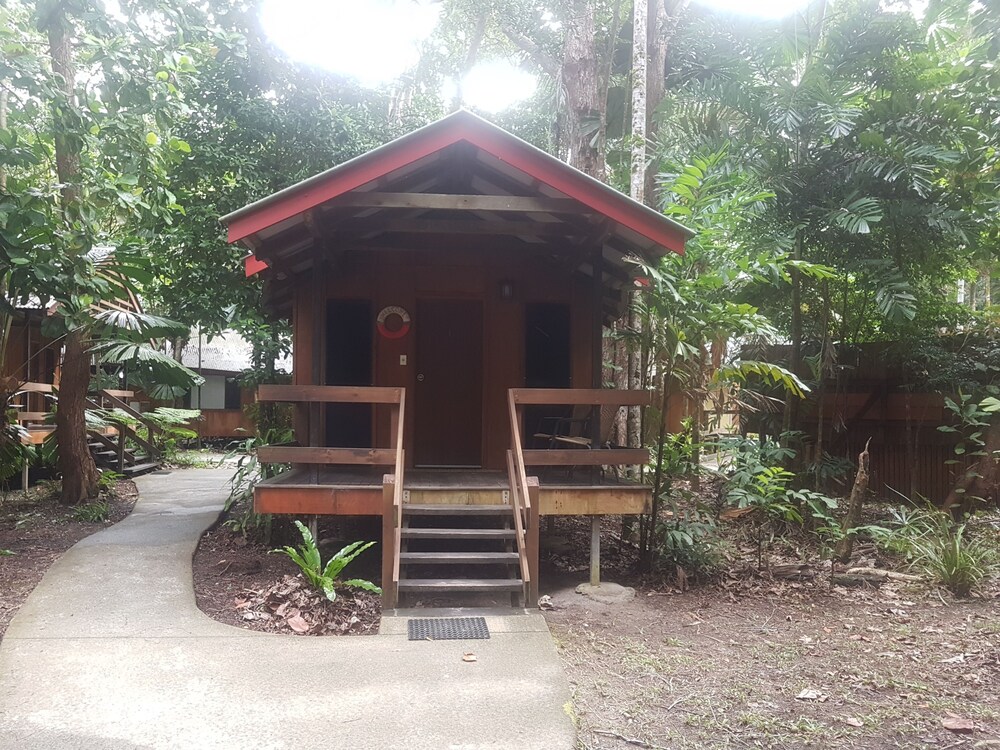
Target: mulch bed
[
  {"x": 37, "y": 529},
  {"x": 240, "y": 583}
]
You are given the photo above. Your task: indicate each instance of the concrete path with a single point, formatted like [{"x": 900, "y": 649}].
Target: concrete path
[{"x": 110, "y": 651}]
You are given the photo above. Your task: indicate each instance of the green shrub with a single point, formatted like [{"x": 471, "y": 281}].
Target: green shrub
[
  {"x": 940, "y": 547},
  {"x": 93, "y": 512},
  {"x": 688, "y": 541},
  {"x": 249, "y": 471},
  {"x": 955, "y": 561},
  {"x": 107, "y": 479},
  {"x": 327, "y": 577}
]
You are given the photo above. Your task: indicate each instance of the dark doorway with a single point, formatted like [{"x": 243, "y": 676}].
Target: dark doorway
[
  {"x": 349, "y": 326},
  {"x": 546, "y": 360},
  {"x": 448, "y": 429}
]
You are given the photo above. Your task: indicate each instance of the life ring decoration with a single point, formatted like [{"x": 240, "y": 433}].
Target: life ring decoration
[{"x": 393, "y": 322}]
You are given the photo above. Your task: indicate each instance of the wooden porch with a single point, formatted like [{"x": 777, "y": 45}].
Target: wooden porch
[{"x": 375, "y": 481}]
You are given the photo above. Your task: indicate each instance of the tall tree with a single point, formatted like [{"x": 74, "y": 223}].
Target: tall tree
[{"x": 86, "y": 155}]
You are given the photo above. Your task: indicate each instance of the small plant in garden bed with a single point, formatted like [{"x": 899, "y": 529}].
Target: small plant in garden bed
[
  {"x": 93, "y": 512},
  {"x": 327, "y": 578},
  {"x": 942, "y": 548}
]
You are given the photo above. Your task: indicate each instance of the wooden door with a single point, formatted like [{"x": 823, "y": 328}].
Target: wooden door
[{"x": 448, "y": 429}]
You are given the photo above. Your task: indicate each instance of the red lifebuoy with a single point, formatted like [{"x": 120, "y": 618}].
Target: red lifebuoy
[{"x": 385, "y": 315}]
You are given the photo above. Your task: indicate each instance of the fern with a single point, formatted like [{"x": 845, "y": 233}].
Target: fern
[{"x": 307, "y": 558}]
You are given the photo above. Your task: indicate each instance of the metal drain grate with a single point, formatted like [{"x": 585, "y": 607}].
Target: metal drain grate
[{"x": 448, "y": 629}]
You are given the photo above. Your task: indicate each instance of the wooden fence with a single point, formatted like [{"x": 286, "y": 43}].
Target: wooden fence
[{"x": 872, "y": 398}]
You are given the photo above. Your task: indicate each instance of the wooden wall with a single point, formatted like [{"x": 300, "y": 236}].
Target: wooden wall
[{"x": 448, "y": 270}]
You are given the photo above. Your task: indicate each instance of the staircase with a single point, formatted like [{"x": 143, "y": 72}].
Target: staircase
[
  {"x": 105, "y": 450},
  {"x": 121, "y": 448},
  {"x": 452, "y": 544}
]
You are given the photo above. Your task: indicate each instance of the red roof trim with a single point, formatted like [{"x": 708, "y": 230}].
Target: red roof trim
[
  {"x": 428, "y": 140},
  {"x": 252, "y": 266}
]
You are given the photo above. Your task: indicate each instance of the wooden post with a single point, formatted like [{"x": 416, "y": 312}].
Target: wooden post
[
  {"x": 121, "y": 448},
  {"x": 598, "y": 353},
  {"x": 595, "y": 551},
  {"x": 316, "y": 410},
  {"x": 531, "y": 542},
  {"x": 388, "y": 542}
]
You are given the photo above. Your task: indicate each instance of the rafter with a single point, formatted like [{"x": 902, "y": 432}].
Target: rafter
[{"x": 447, "y": 202}]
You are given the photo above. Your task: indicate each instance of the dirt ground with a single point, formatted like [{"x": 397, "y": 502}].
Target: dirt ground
[
  {"x": 36, "y": 529},
  {"x": 746, "y": 662}
]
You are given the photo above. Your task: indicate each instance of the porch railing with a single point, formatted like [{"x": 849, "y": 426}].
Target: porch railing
[
  {"x": 108, "y": 399},
  {"x": 524, "y": 491},
  {"x": 392, "y": 484}
]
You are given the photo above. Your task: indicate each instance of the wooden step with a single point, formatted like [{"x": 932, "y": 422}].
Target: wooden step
[
  {"x": 445, "y": 509},
  {"x": 134, "y": 471},
  {"x": 461, "y": 584},
  {"x": 457, "y": 533},
  {"x": 458, "y": 558}
]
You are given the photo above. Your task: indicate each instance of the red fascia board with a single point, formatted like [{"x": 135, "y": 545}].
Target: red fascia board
[
  {"x": 252, "y": 265},
  {"x": 353, "y": 176},
  {"x": 562, "y": 177}
]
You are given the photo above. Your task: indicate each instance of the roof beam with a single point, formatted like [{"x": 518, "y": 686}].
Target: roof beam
[
  {"x": 447, "y": 202},
  {"x": 451, "y": 226}
]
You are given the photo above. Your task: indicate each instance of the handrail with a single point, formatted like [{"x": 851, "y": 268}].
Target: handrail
[
  {"x": 399, "y": 416},
  {"x": 126, "y": 432},
  {"x": 392, "y": 505},
  {"x": 579, "y": 397},
  {"x": 519, "y": 522},
  {"x": 520, "y": 497}
]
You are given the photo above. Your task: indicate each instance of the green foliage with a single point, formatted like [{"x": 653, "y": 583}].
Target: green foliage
[
  {"x": 108, "y": 479},
  {"x": 6, "y": 553},
  {"x": 941, "y": 547},
  {"x": 92, "y": 512},
  {"x": 249, "y": 471},
  {"x": 327, "y": 578},
  {"x": 756, "y": 480},
  {"x": 13, "y": 453},
  {"x": 688, "y": 540}
]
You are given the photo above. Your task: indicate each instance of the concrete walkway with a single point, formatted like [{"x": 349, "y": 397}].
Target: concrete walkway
[{"x": 110, "y": 651}]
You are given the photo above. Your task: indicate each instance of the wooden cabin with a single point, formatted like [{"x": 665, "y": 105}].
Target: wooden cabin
[{"x": 448, "y": 293}]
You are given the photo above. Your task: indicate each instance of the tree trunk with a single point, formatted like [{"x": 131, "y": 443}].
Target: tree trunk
[
  {"x": 586, "y": 115},
  {"x": 846, "y": 544},
  {"x": 637, "y": 191},
  {"x": 791, "y": 416},
  {"x": 79, "y": 473}
]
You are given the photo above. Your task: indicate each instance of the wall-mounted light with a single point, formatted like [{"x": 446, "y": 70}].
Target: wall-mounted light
[{"x": 506, "y": 290}]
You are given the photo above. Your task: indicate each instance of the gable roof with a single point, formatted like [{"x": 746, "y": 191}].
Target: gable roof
[{"x": 517, "y": 162}]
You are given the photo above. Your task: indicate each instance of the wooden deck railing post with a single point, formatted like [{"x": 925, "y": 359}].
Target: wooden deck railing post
[
  {"x": 388, "y": 542},
  {"x": 121, "y": 450},
  {"x": 532, "y": 544}
]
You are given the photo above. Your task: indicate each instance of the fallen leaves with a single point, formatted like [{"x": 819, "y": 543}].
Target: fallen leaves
[
  {"x": 809, "y": 694},
  {"x": 469, "y": 657},
  {"x": 291, "y": 604},
  {"x": 958, "y": 724}
]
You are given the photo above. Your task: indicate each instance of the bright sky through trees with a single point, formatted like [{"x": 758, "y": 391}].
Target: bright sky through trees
[
  {"x": 374, "y": 41},
  {"x": 377, "y": 41},
  {"x": 758, "y": 8}
]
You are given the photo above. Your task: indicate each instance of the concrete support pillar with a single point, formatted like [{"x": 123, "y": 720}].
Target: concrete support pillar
[{"x": 595, "y": 551}]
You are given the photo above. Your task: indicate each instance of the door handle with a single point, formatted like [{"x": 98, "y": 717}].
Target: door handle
[{"x": 420, "y": 378}]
